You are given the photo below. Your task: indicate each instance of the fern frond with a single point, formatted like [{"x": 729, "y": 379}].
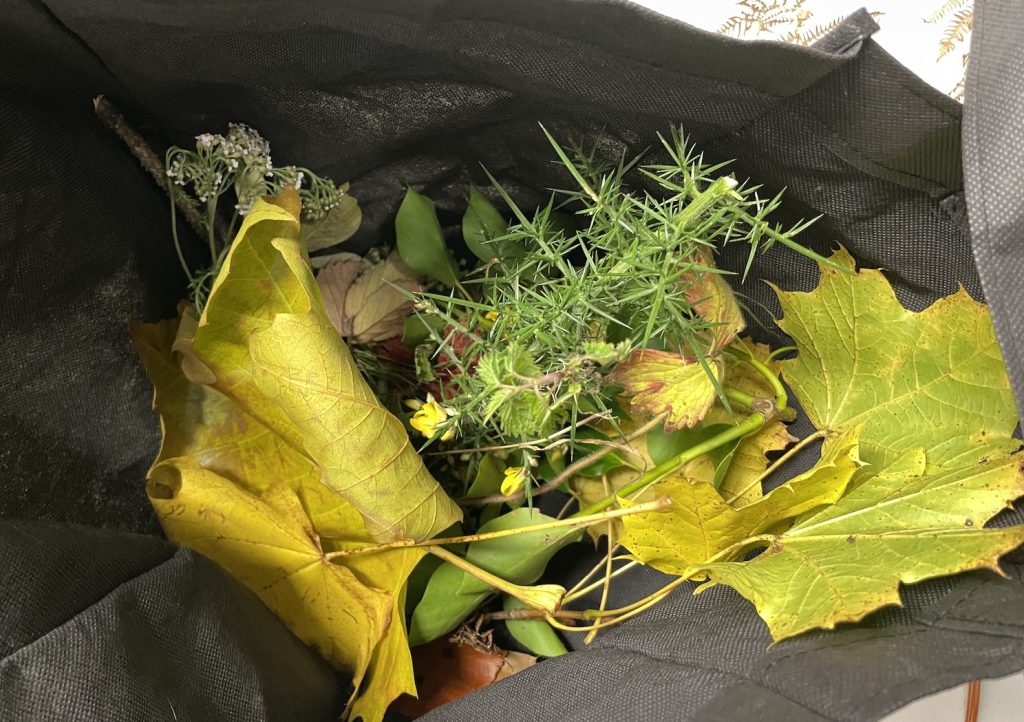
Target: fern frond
[
  {"x": 947, "y": 7},
  {"x": 956, "y": 32}
]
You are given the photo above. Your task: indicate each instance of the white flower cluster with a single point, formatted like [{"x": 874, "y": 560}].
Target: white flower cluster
[{"x": 241, "y": 160}]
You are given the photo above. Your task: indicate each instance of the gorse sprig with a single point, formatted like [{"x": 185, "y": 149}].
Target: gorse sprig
[{"x": 600, "y": 271}]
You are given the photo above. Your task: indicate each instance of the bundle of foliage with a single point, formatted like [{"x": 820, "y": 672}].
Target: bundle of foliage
[{"x": 368, "y": 445}]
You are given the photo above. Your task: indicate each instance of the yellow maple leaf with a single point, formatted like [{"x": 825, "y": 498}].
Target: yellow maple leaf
[
  {"x": 659, "y": 382},
  {"x": 700, "y": 523}
]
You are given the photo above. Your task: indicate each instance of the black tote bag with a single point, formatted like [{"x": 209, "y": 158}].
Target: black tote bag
[{"x": 100, "y": 619}]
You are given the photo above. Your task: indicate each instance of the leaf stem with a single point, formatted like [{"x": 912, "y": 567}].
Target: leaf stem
[
  {"x": 612, "y": 617},
  {"x": 740, "y": 397},
  {"x": 777, "y": 464},
  {"x": 594, "y": 570},
  {"x": 658, "y": 504},
  {"x": 781, "y": 395},
  {"x": 750, "y": 424},
  {"x": 606, "y": 582},
  {"x": 546, "y": 597}
]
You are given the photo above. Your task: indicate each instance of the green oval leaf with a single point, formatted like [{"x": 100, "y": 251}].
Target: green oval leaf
[
  {"x": 488, "y": 477},
  {"x": 337, "y": 226},
  {"x": 520, "y": 559},
  {"x": 481, "y": 224},
  {"x": 536, "y": 635},
  {"x": 420, "y": 241}
]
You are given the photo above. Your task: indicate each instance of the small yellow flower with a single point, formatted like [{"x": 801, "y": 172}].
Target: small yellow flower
[
  {"x": 515, "y": 478},
  {"x": 430, "y": 416},
  {"x": 488, "y": 319}
]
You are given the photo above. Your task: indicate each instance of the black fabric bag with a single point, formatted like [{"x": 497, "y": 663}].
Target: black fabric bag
[{"x": 102, "y": 620}]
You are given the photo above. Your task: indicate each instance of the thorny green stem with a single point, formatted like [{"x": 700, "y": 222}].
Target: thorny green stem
[
  {"x": 577, "y": 520},
  {"x": 793, "y": 245},
  {"x": 750, "y": 424}
]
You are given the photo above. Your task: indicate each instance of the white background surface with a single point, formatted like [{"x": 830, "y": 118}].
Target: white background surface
[
  {"x": 915, "y": 43},
  {"x": 904, "y": 33}
]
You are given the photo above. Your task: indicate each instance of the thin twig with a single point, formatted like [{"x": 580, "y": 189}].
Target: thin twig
[
  {"x": 148, "y": 159},
  {"x": 569, "y": 471}
]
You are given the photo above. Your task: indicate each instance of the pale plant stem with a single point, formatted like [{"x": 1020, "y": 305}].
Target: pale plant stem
[
  {"x": 609, "y": 618},
  {"x": 518, "y": 591},
  {"x": 607, "y": 581},
  {"x": 659, "y": 504},
  {"x": 584, "y": 591},
  {"x": 570, "y": 471},
  {"x": 565, "y": 507},
  {"x": 586, "y": 577},
  {"x": 777, "y": 464},
  {"x": 531, "y": 614}
]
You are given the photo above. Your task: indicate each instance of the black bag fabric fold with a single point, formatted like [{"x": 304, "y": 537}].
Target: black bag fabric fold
[{"x": 99, "y": 624}]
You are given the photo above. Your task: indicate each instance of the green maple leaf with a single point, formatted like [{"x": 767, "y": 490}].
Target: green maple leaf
[
  {"x": 932, "y": 397},
  {"x": 700, "y": 524},
  {"x": 933, "y": 380},
  {"x": 844, "y": 562}
]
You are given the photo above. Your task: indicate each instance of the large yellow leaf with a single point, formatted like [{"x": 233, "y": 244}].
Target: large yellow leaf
[
  {"x": 700, "y": 524},
  {"x": 265, "y": 335},
  {"x": 203, "y": 428},
  {"x": 201, "y": 423},
  {"x": 932, "y": 397},
  {"x": 269, "y": 545},
  {"x": 933, "y": 380},
  {"x": 261, "y": 277}
]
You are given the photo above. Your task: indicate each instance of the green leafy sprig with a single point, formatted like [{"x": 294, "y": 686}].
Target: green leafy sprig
[{"x": 526, "y": 341}]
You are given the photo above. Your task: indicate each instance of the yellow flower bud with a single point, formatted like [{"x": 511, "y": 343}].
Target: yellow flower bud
[
  {"x": 515, "y": 478},
  {"x": 487, "y": 320}
]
